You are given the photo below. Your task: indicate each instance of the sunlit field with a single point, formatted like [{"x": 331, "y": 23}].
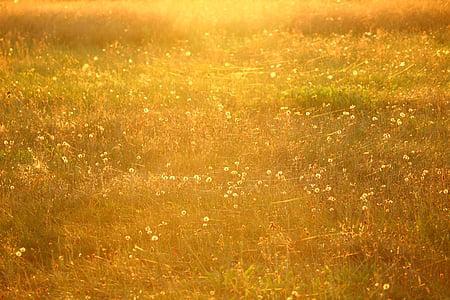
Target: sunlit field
[{"x": 229, "y": 149}]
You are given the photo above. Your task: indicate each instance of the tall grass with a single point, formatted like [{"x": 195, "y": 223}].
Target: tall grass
[
  {"x": 257, "y": 153},
  {"x": 81, "y": 22}
]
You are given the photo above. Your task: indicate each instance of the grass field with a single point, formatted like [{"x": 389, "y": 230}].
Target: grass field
[{"x": 224, "y": 149}]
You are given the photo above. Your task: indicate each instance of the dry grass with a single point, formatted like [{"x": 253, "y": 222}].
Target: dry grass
[
  {"x": 239, "y": 158},
  {"x": 364, "y": 16},
  {"x": 163, "y": 21}
]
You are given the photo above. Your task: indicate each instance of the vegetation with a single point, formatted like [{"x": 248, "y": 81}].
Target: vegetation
[{"x": 224, "y": 149}]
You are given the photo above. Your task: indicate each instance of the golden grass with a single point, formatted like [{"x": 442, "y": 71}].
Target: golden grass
[
  {"x": 78, "y": 22},
  {"x": 224, "y": 150}
]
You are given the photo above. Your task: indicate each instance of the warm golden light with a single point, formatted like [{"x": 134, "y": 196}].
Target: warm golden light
[{"x": 229, "y": 149}]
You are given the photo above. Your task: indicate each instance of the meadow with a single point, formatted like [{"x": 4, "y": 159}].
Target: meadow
[{"x": 227, "y": 149}]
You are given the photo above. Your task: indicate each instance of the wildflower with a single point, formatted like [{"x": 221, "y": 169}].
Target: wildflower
[
  {"x": 330, "y": 77},
  {"x": 64, "y": 159},
  {"x": 188, "y": 53},
  {"x": 183, "y": 212},
  {"x": 355, "y": 73},
  {"x": 18, "y": 254},
  {"x": 85, "y": 68},
  {"x": 131, "y": 170},
  {"x": 273, "y": 74},
  {"x": 146, "y": 110},
  {"x": 268, "y": 172},
  {"x": 155, "y": 238},
  {"x": 127, "y": 237},
  {"x": 22, "y": 249},
  {"x": 386, "y": 286},
  {"x": 205, "y": 219}
]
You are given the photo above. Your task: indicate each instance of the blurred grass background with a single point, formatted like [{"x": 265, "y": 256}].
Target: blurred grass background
[{"x": 164, "y": 20}]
